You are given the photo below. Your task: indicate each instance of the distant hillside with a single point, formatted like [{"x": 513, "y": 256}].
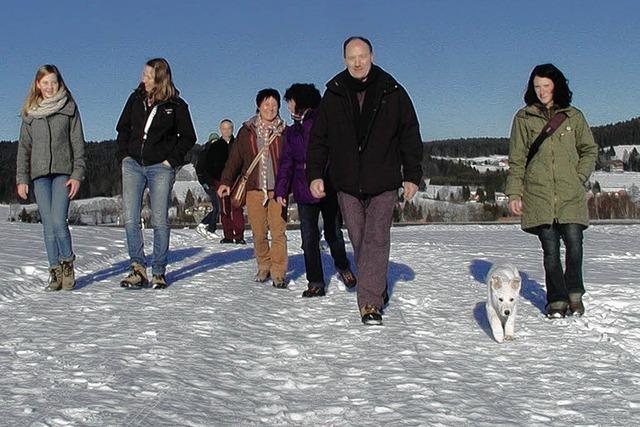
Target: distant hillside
[{"x": 620, "y": 133}]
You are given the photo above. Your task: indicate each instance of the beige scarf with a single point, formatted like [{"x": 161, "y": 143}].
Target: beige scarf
[{"x": 49, "y": 106}]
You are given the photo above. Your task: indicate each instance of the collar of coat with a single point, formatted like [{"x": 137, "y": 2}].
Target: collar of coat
[
  {"x": 533, "y": 110},
  {"x": 338, "y": 85}
]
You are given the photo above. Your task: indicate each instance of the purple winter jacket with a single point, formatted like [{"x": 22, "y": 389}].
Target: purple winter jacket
[{"x": 291, "y": 172}]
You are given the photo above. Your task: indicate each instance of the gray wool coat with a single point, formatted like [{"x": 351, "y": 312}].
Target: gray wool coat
[{"x": 51, "y": 145}]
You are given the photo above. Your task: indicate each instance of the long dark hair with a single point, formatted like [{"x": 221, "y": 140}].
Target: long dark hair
[{"x": 561, "y": 93}]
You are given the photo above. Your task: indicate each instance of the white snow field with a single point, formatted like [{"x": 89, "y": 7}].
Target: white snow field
[{"x": 216, "y": 348}]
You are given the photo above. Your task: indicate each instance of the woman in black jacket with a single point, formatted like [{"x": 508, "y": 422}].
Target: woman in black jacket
[{"x": 154, "y": 134}]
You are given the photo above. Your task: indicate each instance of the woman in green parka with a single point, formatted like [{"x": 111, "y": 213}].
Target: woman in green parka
[{"x": 550, "y": 192}]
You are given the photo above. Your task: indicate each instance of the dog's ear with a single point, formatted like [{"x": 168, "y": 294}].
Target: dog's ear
[
  {"x": 496, "y": 282},
  {"x": 515, "y": 283}
]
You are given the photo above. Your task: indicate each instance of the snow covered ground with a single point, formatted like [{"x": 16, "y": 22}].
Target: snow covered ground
[{"x": 216, "y": 348}]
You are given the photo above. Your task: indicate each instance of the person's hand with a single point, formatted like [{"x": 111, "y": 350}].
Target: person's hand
[
  {"x": 515, "y": 206},
  {"x": 166, "y": 163},
  {"x": 223, "y": 190},
  {"x": 410, "y": 190},
  {"x": 281, "y": 201},
  {"x": 23, "y": 191},
  {"x": 317, "y": 188},
  {"x": 74, "y": 186}
]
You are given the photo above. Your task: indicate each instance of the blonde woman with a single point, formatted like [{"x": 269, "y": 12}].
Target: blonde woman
[
  {"x": 154, "y": 134},
  {"x": 51, "y": 154}
]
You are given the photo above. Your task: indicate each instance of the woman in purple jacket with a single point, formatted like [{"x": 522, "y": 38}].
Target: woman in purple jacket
[{"x": 302, "y": 101}]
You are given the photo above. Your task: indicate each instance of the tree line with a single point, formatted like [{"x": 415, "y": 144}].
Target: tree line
[
  {"x": 621, "y": 133},
  {"x": 103, "y": 176}
]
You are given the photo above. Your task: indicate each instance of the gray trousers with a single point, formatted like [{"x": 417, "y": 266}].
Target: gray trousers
[{"x": 369, "y": 224}]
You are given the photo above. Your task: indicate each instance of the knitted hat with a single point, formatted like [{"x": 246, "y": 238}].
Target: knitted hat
[{"x": 213, "y": 137}]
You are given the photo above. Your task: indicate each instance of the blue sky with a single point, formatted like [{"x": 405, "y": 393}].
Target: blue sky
[{"x": 464, "y": 63}]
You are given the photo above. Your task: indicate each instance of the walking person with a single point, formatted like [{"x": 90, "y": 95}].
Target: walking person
[
  {"x": 302, "y": 102},
  {"x": 231, "y": 217},
  {"x": 51, "y": 155},
  {"x": 551, "y": 156},
  {"x": 208, "y": 170},
  {"x": 155, "y": 133},
  {"x": 366, "y": 132},
  {"x": 261, "y": 136}
]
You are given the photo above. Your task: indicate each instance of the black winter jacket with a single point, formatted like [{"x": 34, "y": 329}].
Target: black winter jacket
[
  {"x": 170, "y": 136},
  {"x": 392, "y": 149},
  {"x": 213, "y": 158}
]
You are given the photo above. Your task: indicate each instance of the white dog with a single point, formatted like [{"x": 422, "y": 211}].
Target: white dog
[{"x": 503, "y": 286}]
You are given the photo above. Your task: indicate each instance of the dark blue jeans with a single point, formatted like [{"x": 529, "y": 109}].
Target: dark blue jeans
[
  {"x": 560, "y": 284},
  {"x": 332, "y": 225}
]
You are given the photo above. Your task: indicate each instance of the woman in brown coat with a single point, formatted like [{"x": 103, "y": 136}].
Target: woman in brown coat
[{"x": 265, "y": 214}]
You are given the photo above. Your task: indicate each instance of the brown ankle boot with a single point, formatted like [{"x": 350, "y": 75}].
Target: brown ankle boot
[
  {"x": 55, "y": 279},
  {"x": 68, "y": 275}
]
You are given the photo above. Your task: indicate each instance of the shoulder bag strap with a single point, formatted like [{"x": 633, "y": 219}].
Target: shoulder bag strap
[{"x": 546, "y": 132}]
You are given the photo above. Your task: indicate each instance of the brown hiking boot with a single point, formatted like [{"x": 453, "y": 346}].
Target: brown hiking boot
[
  {"x": 158, "y": 281},
  {"x": 576, "y": 307},
  {"x": 55, "y": 279},
  {"x": 68, "y": 275},
  {"x": 137, "y": 278},
  {"x": 371, "y": 315},
  {"x": 348, "y": 278}
]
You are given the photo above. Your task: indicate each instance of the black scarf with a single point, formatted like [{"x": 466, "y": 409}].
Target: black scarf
[{"x": 363, "y": 115}]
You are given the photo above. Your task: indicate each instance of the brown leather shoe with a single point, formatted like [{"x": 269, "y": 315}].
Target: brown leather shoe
[
  {"x": 576, "y": 307},
  {"x": 371, "y": 315},
  {"x": 314, "y": 291},
  {"x": 348, "y": 278}
]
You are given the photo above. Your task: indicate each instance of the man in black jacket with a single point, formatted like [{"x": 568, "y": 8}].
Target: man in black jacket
[{"x": 367, "y": 134}]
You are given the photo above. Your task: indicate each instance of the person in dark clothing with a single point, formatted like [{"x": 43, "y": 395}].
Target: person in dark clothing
[
  {"x": 206, "y": 170},
  {"x": 213, "y": 158},
  {"x": 366, "y": 131},
  {"x": 302, "y": 101},
  {"x": 155, "y": 133}
]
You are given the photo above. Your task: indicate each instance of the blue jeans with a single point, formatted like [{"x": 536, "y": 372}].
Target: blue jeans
[
  {"x": 211, "y": 219},
  {"x": 332, "y": 224},
  {"x": 560, "y": 284},
  {"x": 52, "y": 197},
  {"x": 159, "y": 178}
]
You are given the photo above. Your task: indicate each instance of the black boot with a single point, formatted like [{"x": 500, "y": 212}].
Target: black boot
[{"x": 314, "y": 291}]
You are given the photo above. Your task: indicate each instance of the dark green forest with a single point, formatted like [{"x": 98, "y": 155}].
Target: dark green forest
[{"x": 102, "y": 176}]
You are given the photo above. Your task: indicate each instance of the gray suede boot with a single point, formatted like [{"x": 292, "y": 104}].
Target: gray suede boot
[
  {"x": 55, "y": 279},
  {"x": 68, "y": 275}
]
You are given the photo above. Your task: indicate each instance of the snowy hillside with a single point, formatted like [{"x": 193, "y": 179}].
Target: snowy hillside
[{"x": 216, "y": 348}]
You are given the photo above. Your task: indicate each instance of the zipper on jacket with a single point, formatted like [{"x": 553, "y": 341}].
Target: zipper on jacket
[
  {"x": 50, "y": 145},
  {"x": 144, "y": 102},
  {"x": 385, "y": 92}
]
